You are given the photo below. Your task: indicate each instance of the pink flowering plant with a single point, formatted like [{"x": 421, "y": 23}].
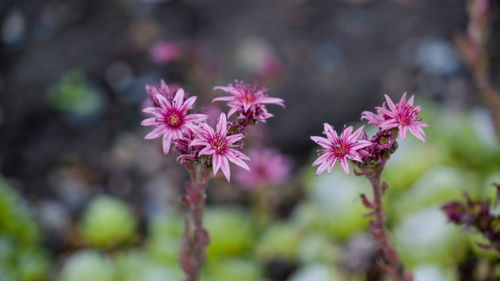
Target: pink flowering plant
[
  {"x": 203, "y": 150},
  {"x": 369, "y": 155}
]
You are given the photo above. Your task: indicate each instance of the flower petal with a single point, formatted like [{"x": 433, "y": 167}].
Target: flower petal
[{"x": 225, "y": 168}]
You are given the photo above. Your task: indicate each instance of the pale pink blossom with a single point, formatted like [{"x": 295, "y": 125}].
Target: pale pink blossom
[
  {"x": 171, "y": 118},
  {"x": 402, "y": 115},
  {"x": 165, "y": 52},
  {"x": 248, "y": 100},
  {"x": 342, "y": 148},
  {"x": 221, "y": 146},
  {"x": 268, "y": 166}
]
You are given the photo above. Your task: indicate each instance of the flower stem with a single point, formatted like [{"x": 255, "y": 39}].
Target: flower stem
[
  {"x": 196, "y": 237},
  {"x": 390, "y": 262}
]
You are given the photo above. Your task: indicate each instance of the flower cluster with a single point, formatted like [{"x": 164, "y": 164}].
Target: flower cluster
[
  {"x": 478, "y": 215},
  {"x": 248, "y": 102},
  {"x": 397, "y": 119},
  {"x": 189, "y": 133}
]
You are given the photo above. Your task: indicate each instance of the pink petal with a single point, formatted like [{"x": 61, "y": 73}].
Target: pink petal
[
  {"x": 410, "y": 101},
  {"x": 330, "y": 132},
  {"x": 402, "y": 132},
  {"x": 216, "y": 162},
  {"x": 346, "y": 133},
  {"x": 229, "y": 90},
  {"x": 225, "y": 168},
  {"x": 164, "y": 86},
  {"x": 332, "y": 164},
  {"x": 199, "y": 142},
  {"x": 167, "y": 140},
  {"x": 361, "y": 144},
  {"x": 188, "y": 104},
  {"x": 164, "y": 103},
  {"x": 196, "y": 117},
  {"x": 232, "y": 111},
  {"x": 234, "y": 138},
  {"x": 417, "y": 132},
  {"x": 390, "y": 103},
  {"x": 225, "y": 98},
  {"x": 354, "y": 136},
  {"x": 321, "y": 168},
  {"x": 222, "y": 124},
  {"x": 207, "y": 151},
  {"x": 153, "y": 110},
  {"x": 271, "y": 100},
  {"x": 322, "y": 158},
  {"x": 240, "y": 154},
  {"x": 178, "y": 99},
  {"x": 238, "y": 161},
  {"x": 389, "y": 124},
  {"x": 345, "y": 166},
  {"x": 149, "y": 122},
  {"x": 321, "y": 141},
  {"x": 403, "y": 99},
  {"x": 156, "y": 133}
]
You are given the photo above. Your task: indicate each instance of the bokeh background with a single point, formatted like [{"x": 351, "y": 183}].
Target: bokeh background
[{"x": 84, "y": 197}]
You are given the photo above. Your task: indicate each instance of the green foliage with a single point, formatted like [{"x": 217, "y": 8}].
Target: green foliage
[
  {"x": 88, "y": 265},
  {"x": 336, "y": 200},
  {"x": 108, "y": 223},
  {"x": 280, "y": 241},
  {"x": 21, "y": 256},
  {"x": 439, "y": 185},
  {"x": 165, "y": 237},
  {"x": 72, "y": 94},
  {"x": 426, "y": 237},
  {"x": 230, "y": 233},
  {"x": 231, "y": 269}
]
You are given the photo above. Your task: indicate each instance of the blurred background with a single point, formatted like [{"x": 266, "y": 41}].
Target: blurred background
[{"x": 83, "y": 197}]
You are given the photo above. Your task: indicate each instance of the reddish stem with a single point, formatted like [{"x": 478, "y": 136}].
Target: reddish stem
[
  {"x": 196, "y": 237},
  {"x": 390, "y": 263}
]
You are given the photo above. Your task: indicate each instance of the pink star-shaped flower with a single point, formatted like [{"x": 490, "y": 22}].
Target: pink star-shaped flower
[
  {"x": 171, "y": 118},
  {"x": 341, "y": 148},
  {"x": 220, "y": 145},
  {"x": 247, "y": 99},
  {"x": 402, "y": 115}
]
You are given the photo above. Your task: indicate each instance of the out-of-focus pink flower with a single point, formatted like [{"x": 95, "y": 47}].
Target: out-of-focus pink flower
[
  {"x": 341, "y": 148},
  {"x": 165, "y": 52},
  {"x": 402, "y": 115},
  {"x": 268, "y": 166},
  {"x": 248, "y": 100},
  {"x": 218, "y": 144},
  {"x": 271, "y": 67},
  {"x": 171, "y": 118}
]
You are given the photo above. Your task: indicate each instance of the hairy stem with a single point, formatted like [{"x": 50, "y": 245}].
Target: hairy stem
[
  {"x": 390, "y": 262},
  {"x": 196, "y": 237}
]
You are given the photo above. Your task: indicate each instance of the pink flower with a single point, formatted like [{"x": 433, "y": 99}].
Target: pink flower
[
  {"x": 164, "y": 90},
  {"x": 171, "y": 118},
  {"x": 268, "y": 166},
  {"x": 341, "y": 148},
  {"x": 402, "y": 115},
  {"x": 374, "y": 119},
  {"x": 248, "y": 100},
  {"x": 218, "y": 144},
  {"x": 165, "y": 52}
]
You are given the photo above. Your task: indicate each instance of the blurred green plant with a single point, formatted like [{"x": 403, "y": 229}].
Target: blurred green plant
[
  {"x": 72, "y": 94},
  {"x": 108, "y": 223},
  {"x": 21, "y": 254},
  {"x": 88, "y": 265}
]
